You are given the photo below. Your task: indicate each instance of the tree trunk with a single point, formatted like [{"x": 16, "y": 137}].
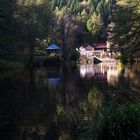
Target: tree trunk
[
  {"x": 64, "y": 49},
  {"x": 31, "y": 51}
]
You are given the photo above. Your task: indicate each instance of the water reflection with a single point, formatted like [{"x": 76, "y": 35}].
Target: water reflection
[
  {"x": 53, "y": 103},
  {"x": 53, "y": 75},
  {"x": 103, "y": 72}
]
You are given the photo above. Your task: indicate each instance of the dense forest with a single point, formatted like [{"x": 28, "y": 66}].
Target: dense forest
[
  {"x": 86, "y": 85},
  {"x": 30, "y": 25}
]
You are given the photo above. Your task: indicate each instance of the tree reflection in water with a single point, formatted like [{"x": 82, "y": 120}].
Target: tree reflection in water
[{"x": 56, "y": 103}]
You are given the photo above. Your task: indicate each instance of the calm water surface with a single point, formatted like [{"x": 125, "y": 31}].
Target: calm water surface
[{"x": 54, "y": 103}]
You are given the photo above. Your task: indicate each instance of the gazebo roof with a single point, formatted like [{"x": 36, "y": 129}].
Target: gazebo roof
[{"x": 53, "y": 47}]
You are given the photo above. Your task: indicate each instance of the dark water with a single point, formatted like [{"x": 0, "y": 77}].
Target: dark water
[{"x": 54, "y": 103}]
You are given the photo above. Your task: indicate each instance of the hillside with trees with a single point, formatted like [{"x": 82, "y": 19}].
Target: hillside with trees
[{"x": 31, "y": 25}]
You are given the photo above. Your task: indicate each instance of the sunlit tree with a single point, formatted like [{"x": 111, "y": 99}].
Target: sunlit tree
[{"x": 95, "y": 24}]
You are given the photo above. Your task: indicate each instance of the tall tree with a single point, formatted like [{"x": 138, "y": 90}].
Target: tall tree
[
  {"x": 33, "y": 20},
  {"x": 124, "y": 32},
  {"x": 95, "y": 24},
  {"x": 8, "y": 35},
  {"x": 66, "y": 26}
]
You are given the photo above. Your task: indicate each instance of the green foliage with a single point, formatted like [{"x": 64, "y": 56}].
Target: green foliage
[
  {"x": 122, "y": 55},
  {"x": 85, "y": 9},
  {"x": 74, "y": 55},
  {"x": 8, "y": 26},
  {"x": 34, "y": 20},
  {"x": 126, "y": 29},
  {"x": 94, "y": 24},
  {"x": 117, "y": 122},
  {"x": 21, "y": 23},
  {"x": 39, "y": 52}
]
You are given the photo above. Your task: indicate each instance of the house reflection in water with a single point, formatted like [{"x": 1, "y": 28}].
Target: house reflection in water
[
  {"x": 103, "y": 72},
  {"x": 86, "y": 71}
]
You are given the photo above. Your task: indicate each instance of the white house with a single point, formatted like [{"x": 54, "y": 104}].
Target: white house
[
  {"x": 86, "y": 50},
  {"x": 99, "y": 50}
]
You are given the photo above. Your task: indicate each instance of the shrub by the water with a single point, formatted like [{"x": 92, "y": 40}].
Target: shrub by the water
[
  {"x": 74, "y": 55},
  {"x": 115, "y": 122}
]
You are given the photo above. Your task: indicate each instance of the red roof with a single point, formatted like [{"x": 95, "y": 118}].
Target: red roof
[
  {"x": 100, "y": 45},
  {"x": 87, "y": 47}
]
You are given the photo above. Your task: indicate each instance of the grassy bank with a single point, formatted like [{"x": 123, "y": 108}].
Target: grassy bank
[{"x": 4, "y": 64}]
